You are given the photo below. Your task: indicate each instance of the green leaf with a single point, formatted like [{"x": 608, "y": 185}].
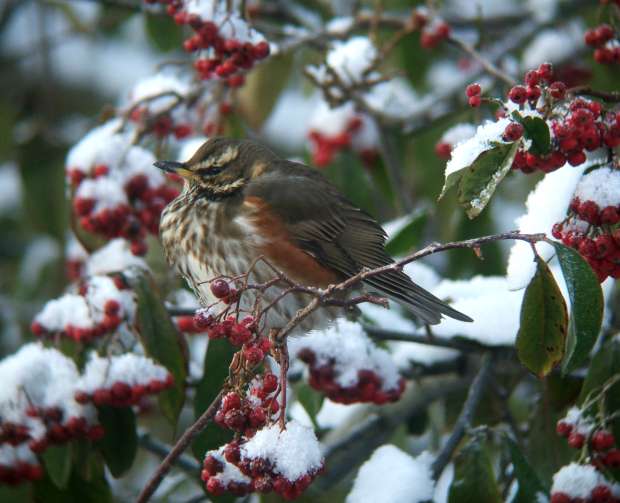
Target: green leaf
[
  {"x": 536, "y": 130},
  {"x": 586, "y": 298},
  {"x": 542, "y": 332},
  {"x": 120, "y": 442},
  {"x": 310, "y": 400},
  {"x": 162, "y": 341},
  {"x": 407, "y": 238},
  {"x": 477, "y": 182},
  {"x": 163, "y": 32},
  {"x": 217, "y": 360},
  {"x": 530, "y": 486},
  {"x": 79, "y": 490},
  {"x": 474, "y": 480},
  {"x": 57, "y": 461}
]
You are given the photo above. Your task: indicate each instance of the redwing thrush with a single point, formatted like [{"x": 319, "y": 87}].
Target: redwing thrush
[{"x": 241, "y": 201}]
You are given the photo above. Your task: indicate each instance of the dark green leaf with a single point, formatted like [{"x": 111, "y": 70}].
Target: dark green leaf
[
  {"x": 120, "y": 443},
  {"x": 474, "y": 480},
  {"x": 57, "y": 461},
  {"x": 79, "y": 490},
  {"x": 310, "y": 400},
  {"x": 530, "y": 486},
  {"x": 477, "y": 182},
  {"x": 542, "y": 332},
  {"x": 407, "y": 238},
  {"x": 161, "y": 341},
  {"x": 163, "y": 32},
  {"x": 586, "y": 298},
  {"x": 536, "y": 130},
  {"x": 217, "y": 360}
]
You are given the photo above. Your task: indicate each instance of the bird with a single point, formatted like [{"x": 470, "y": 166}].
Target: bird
[{"x": 240, "y": 202}]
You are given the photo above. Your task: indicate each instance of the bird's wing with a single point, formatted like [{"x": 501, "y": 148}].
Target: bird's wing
[{"x": 338, "y": 235}]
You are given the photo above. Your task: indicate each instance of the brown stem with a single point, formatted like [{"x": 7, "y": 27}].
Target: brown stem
[
  {"x": 183, "y": 443},
  {"x": 610, "y": 97}
]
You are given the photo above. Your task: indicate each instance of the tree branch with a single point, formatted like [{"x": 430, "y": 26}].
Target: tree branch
[
  {"x": 478, "y": 386},
  {"x": 154, "y": 446},
  {"x": 183, "y": 443}
]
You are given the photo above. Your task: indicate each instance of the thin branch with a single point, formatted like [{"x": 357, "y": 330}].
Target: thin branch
[
  {"x": 610, "y": 97},
  {"x": 478, "y": 386},
  {"x": 182, "y": 444}
]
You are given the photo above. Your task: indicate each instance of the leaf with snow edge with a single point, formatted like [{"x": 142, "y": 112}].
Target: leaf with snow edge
[
  {"x": 57, "y": 460},
  {"x": 586, "y": 296},
  {"x": 161, "y": 341},
  {"x": 543, "y": 323},
  {"x": 215, "y": 370},
  {"x": 477, "y": 182},
  {"x": 474, "y": 480},
  {"x": 529, "y": 483},
  {"x": 536, "y": 130},
  {"x": 120, "y": 442},
  {"x": 409, "y": 236}
]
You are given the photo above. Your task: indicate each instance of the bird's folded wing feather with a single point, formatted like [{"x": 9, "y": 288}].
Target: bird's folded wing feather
[{"x": 339, "y": 235}]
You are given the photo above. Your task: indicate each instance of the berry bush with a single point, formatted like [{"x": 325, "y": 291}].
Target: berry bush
[{"x": 484, "y": 127}]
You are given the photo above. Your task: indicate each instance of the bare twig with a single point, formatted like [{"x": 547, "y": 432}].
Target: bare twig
[
  {"x": 464, "y": 420},
  {"x": 182, "y": 444},
  {"x": 153, "y": 445},
  {"x": 610, "y": 97}
]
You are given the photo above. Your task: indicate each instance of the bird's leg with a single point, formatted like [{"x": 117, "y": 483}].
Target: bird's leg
[{"x": 281, "y": 353}]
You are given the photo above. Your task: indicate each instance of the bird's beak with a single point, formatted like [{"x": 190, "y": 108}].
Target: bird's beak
[{"x": 175, "y": 167}]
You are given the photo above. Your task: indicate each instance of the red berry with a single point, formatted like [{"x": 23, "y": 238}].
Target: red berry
[
  {"x": 610, "y": 215},
  {"x": 231, "y": 401},
  {"x": 563, "y": 428},
  {"x": 561, "y": 498},
  {"x": 235, "y": 419},
  {"x": 576, "y": 158},
  {"x": 121, "y": 390},
  {"x": 443, "y": 150},
  {"x": 257, "y": 417},
  {"x": 442, "y": 30},
  {"x": 186, "y": 324},
  {"x": 474, "y": 101},
  {"x": 545, "y": 71},
  {"x": 138, "y": 248},
  {"x": 531, "y": 78},
  {"x": 253, "y": 354},
  {"x": 95, "y": 433},
  {"x": 612, "y": 458},
  {"x": 220, "y": 288},
  {"x": 601, "y": 494},
  {"x": 215, "y": 487},
  {"x": 576, "y": 440},
  {"x": 518, "y": 94},
  {"x": 513, "y": 132},
  {"x": 270, "y": 383},
  {"x": 111, "y": 307},
  {"x": 473, "y": 90},
  {"x": 261, "y": 50},
  {"x": 557, "y": 90},
  {"x": 533, "y": 93},
  {"x": 100, "y": 170},
  {"x": 603, "y": 440}
]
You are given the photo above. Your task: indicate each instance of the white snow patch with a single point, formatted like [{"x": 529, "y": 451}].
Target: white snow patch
[
  {"x": 10, "y": 187},
  {"x": 576, "y": 480},
  {"x": 601, "y": 185},
  {"x": 458, "y": 133},
  {"x": 392, "y": 476},
  {"x": 553, "y": 45},
  {"x": 113, "y": 257}
]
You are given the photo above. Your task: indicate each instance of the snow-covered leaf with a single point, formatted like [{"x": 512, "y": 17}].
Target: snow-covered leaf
[
  {"x": 477, "y": 182},
  {"x": 586, "y": 299},
  {"x": 536, "y": 130},
  {"x": 543, "y": 326}
]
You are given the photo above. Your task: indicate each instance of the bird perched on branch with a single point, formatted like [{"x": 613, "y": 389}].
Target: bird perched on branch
[{"x": 241, "y": 201}]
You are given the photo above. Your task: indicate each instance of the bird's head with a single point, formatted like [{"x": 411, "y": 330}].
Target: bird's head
[{"x": 222, "y": 166}]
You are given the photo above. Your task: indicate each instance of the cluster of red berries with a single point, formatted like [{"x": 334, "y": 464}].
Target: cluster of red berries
[
  {"x": 248, "y": 414},
  {"x": 602, "y": 493},
  {"x": 229, "y": 57},
  {"x": 131, "y": 221},
  {"x": 122, "y": 394},
  {"x": 605, "y": 42},
  {"x": 602, "y": 443},
  {"x": 163, "y": 125},
  {"x": 593, "y": 214},
  {"x": 473, "y": 93},
  {"x": 325, "y": 147},
  {"x": 111, "y": 318},
  {"x": 434, "y": 33},
  {"x": 369, "y": 386},
  {"x": 21, "y": 471},
  {"x": 59, "y": 430}
]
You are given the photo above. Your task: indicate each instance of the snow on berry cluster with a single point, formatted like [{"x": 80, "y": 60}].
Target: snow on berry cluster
[
  {"x": 580, "y": 430},
  {"x": 120, "y": 380},
  {"x": 283, "y": 461},
  {"x": 452, "y": 137},
  {"x": 250, "y": 412},
  {"x": 116, "y": 190},
  {"x": 576, "y": 483},
  {"x": 606, "y": 43},
  {"x": 225, "y": 45},
  {"x": 591, "y": 225},
  {"x": 97, "y": 308},
  {"x": 345, "y": 365},
  {"x": 37, "y": 408}
]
